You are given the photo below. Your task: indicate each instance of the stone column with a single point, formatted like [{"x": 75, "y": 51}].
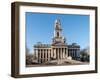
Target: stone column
[
  {"x": 45, "y": 58},
  {"x": 50, "y": 52},
  {"x": 64, "y": 53},
  {"x": 60, "y": 53},
  {"x": 56, "y": 53},
  {"x": 36, "y": 54},
  {"x": 53, "y": 53},
  {"x": 78, "y": 52},
  {"x": 40, "y": 56},
  {"x": 67, "y": 51}
]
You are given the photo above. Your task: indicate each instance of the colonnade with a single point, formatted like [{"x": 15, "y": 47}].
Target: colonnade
[
  {"x": 74, "y": 53},
  {"x": 43, "y": 55},
  {"x": 60, "y": 53},
  {"x": 46, "y": 54}
]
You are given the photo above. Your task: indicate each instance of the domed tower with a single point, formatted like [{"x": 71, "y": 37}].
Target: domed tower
[
  {"x": 58, "y": 38},
  {"x": 59, "y": 46},
  {"x": 57, "y": 27}
]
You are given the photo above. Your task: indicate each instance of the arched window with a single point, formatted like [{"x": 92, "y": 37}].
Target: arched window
[{"x": 57, "y": 34}]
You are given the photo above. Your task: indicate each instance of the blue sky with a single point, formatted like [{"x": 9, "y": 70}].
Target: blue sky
[{"x": 40, "y": 28}]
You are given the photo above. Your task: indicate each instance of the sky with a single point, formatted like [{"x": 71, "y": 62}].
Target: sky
[{"x": 40, "y": 28}]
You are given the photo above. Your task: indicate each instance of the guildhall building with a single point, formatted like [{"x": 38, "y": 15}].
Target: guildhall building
[{"x": 58, "y": 49}]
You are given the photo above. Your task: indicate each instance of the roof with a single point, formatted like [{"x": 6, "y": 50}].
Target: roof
[
  {"x": 42, "y": 46},
  {"x": 74, "y": 45}
]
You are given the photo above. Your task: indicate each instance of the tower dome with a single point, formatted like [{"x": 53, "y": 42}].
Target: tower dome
[
  {"x": 57, "y": 21},
  {"x": 57, "y": 24}
]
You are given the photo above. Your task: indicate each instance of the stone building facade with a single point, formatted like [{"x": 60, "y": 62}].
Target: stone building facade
[{"x": 58, "y": 49}]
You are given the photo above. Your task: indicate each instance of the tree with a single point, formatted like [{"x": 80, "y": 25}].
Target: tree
[
  {"x": 29, "y": 57},
  {"x": 34, "y": 57},
  {"x": 84, "y": 55}
]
